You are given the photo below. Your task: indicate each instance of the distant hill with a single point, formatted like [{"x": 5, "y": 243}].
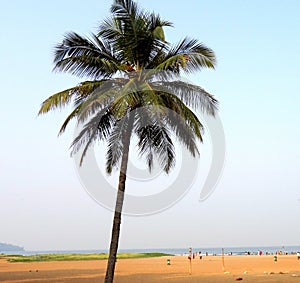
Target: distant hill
[{"x": 10, "y": 248}]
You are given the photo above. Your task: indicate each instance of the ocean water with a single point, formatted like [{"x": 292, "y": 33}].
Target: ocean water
[{"x": 174, "y": 251}]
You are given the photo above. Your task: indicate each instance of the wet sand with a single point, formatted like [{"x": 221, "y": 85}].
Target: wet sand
[{"x": 207, "y": 270}]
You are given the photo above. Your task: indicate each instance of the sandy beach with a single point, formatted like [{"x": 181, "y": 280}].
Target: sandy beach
[{"x": 207, "y": 270}]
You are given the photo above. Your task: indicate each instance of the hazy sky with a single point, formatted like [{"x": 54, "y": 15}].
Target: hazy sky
[{"x": 256, "y": 202}]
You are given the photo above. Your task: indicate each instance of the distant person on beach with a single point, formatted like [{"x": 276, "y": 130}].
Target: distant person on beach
[{"x": 298, "y": 255}]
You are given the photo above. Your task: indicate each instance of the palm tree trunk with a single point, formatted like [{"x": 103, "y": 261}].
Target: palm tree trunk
[{"x": 115, "y": 234}]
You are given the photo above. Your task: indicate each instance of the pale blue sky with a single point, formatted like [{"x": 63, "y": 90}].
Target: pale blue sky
[{"x": 43, "y": 205}]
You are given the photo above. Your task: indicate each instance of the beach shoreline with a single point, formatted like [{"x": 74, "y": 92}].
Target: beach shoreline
[{"x": 209, "y": 269}]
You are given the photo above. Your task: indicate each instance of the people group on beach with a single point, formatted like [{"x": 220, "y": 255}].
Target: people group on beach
[{"x": 259, "y": 252}]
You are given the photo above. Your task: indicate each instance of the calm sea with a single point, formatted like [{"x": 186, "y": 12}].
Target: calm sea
[{"x": 175, "y": 251}]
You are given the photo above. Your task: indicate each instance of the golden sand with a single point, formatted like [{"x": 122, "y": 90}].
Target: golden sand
[{"x": 207, "y": 270}]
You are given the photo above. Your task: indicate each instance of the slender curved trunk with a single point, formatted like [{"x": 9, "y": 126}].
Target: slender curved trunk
[{"x": 115, "y": 234}]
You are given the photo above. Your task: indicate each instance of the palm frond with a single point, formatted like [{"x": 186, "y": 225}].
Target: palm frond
[
  {"x": 86, "y": 89},
  {"x": 128, "y": 98},
  {"x": 110, "y": 29},
  {"x": 188, "y": 55},
  {"x": 77, "y": 94},
  {"x": 82, "y": 56},
  {"x": 180, "y": 120},
  {"x": 154, "y": 137},
  {"x": 57, "y": 100},
  {"x": 124, "y": 8},
  {"x": 137, "y": 34},
  {"x": 183, "y": 132},
  {"x": 115, "y": 143},
  {"x": 173, "y": 63},
  {"x": 191, "y": 94},
  {"x": 100, "y": 98},
  {"x": 71, "y": 116},
  {"x": 154, "y": 140},
  {"x": 74, "y": 45},
  {"x": 175, "y": 104},
  {"x": 186, "y": 130},
  {"x": 98, "y": 128},
  {"x": 150, "y": 95}
]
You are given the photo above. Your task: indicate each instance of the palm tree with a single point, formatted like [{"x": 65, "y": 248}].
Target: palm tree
[{"x": 134, "y": 88}]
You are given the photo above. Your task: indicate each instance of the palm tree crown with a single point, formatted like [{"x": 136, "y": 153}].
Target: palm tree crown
[{"x": 128, "y": 43}]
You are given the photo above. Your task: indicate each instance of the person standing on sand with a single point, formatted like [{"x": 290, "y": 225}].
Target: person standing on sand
[{"x": 298, "y": 255}]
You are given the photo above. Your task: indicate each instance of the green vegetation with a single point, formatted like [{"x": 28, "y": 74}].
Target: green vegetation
[{"x": 71, "y": 257}]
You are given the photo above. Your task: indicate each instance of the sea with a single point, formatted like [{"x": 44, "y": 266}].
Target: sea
[{"x": 175, "y": 251}]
